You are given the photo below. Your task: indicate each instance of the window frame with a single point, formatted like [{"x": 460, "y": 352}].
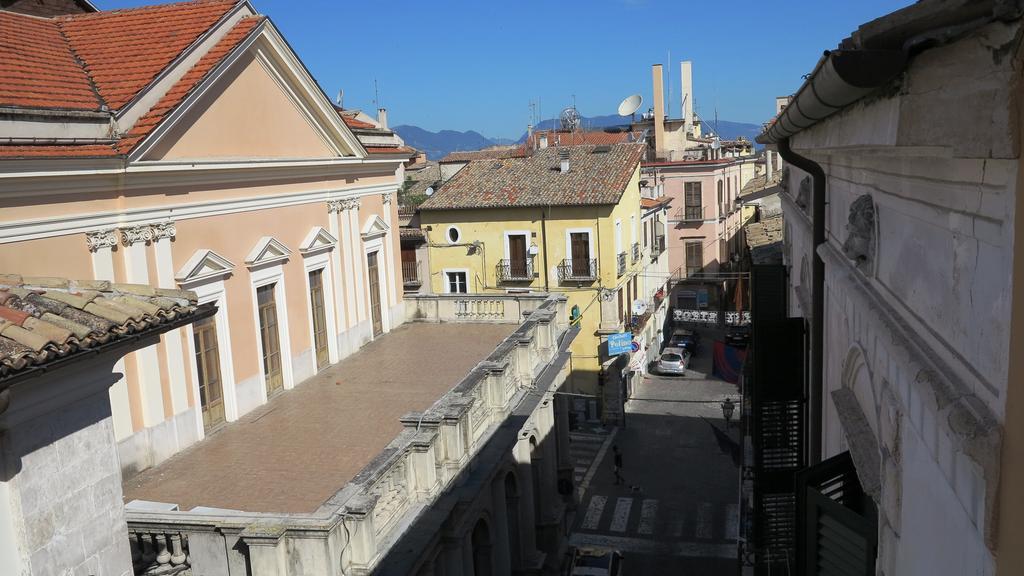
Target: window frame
[
  {"x": 260, "y": 277},
  {"x": 447, "y": 286}
]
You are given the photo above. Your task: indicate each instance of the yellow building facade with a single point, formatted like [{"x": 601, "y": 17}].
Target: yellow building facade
[{"x": 481, "y": 251}]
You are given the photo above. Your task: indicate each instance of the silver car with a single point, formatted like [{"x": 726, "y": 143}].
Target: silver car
[{"x": 673, "y": 361}]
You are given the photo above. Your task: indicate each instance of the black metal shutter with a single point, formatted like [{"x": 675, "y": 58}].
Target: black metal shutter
[{"x": 838, "y": 532}]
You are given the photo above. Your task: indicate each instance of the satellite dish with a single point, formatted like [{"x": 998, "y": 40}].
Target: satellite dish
[
  {"x": 570, "y": 119},
  {"x": 429, "y": 191},
  {"x": 630, "y": 105},
  {"x": 716, "y": 143},
  {"x": 639, "y": 307}
]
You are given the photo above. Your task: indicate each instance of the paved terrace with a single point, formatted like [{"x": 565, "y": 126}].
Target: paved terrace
[{"x": 295, "y": 452}]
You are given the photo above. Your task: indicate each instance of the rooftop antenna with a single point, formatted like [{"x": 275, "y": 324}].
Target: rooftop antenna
[{"x": 376, "y": 94}]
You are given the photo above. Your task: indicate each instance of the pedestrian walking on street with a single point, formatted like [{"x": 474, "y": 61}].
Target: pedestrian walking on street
[{"x": 617, "y": 461}]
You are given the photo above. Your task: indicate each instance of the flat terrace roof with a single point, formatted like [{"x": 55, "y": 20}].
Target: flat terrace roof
[{"x": 299, "y": 449}]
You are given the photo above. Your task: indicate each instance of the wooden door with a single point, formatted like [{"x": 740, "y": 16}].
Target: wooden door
[
  {"x": 580, "y": 253},
  {"x": 316, "y": 302},
  {"x": 265, "y": 300},
  {"x": 517, "y": 256},
  {"x": 371, "y": 266},
  {"x": 211, "y": 389}
]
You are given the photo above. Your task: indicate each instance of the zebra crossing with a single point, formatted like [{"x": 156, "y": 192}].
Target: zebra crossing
[
  {"x": 584, "y": 448},
  {"x": 648, "y": 518}
]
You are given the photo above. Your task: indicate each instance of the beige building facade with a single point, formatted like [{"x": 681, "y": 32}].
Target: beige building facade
[{"x": 287, "y": 224}]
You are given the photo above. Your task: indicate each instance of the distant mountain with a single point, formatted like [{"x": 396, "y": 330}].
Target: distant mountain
[
  {"x": 726, "y": 130},
  {"x": 437, "y": 145}
]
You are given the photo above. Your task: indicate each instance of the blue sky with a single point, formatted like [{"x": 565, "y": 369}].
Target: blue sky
[{"x": 476, "y": 65}]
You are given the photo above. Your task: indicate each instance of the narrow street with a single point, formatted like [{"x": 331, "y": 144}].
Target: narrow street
[{"x": 676, "y": 511}]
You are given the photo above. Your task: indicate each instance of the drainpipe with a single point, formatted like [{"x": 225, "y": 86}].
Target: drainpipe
[{"x": 814, "y": 397}]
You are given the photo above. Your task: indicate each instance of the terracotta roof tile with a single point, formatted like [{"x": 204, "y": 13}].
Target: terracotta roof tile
[
  {"x": 595, "y": 137},
  {"x": 187, "y": 83},
  {"x": 58, "y": 151},
  {"x": 355, "y": 123},
  {"x": 44, "y": 319},
  {"x": 488, "y": 154},
  {"x": 597, "y": 175},
  {"x": 654, "y": 202},
  {"x": 37, "y": 67},
  {"x": 389, "y": 150},
  {"x": 124, "y": 50}
]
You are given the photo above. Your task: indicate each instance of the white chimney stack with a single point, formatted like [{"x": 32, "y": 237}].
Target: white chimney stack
[
  {"x": 769, "y": 164},
  {"x": 563, "y": 156},
  {"x": 382, "y": 118},
  {"x": 543, "y": 138},
  {"x": 686, "y": 76}
]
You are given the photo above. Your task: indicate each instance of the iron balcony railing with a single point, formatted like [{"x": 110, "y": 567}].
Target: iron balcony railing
[
  {"x": 515, "y": 270},
  {"x": 693, "y": 213},
  {"x": 636, "y": 252},
  {"x": 577, "y": 270},
  {"x": 658, "y": 247},
  {"x": 411, "y": 273},
  {"x": 622, "y": 263}
]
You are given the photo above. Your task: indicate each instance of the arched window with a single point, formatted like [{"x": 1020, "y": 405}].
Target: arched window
[{"x": 481, "y": 540}]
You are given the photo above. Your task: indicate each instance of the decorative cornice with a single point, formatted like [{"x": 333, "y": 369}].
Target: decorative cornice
[
  {"x": 343, "y": 204},
  {"x": 101, "y": 239},
  {"x": 164, "y": 230},
  {"x": 134, "y": 234}
]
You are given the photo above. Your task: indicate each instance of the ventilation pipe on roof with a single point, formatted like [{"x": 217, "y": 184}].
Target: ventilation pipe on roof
[{"x": 563, "y": 157}]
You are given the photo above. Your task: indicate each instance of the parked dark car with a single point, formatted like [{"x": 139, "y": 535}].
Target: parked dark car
[
  {"x": 686, "y": 339},
  {"x": 596, "y": 562},
  {"x": 738, "y": 336}
]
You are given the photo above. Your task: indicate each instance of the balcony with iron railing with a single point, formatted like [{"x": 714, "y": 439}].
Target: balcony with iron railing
[
  {"x": 621, "y": 258},
  {"x": 577, "y": 270},
  {"x": 514, "y": 270},
  {"x": 636, "y": 252},
  {"x": 411, "y": 274},
  {"x": 691, "y": 213},
  {"x": 658, "y": 247}
]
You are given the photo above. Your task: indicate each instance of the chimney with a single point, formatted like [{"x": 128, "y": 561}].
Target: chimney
[
  {"x": 563, "y": 156},
  {"x": 382, "y": 118},
  {"x": 769, "y": 164},
  {"x": 543, "y": 138},
  {"x": 659, "y": 112},
  {"x": 686, "y": 74}
]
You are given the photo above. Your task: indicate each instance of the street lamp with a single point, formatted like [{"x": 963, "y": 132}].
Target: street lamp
[{"x": 728, "y": 407}]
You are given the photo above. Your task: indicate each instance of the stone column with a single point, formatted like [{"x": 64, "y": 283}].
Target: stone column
[
  {"x": 147, "y": 372},
  {"x": 101, "y": 245},
  {"x": 162, "y": 235},
  {"x": 358, "y": 268},
  {"x": 392, "y": 274},
  {"x": 267, "y": 557},
  {"x": 527, "y": 519},
  {"x": 341, "y": 295},
  {"x": 467, "y": 554},
  {"x": 502, "y": 558}
]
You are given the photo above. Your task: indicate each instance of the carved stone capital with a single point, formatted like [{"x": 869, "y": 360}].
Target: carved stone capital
[
  {"x": 134, "y": 234},
  {"x": 164, "y": 230},
  {"x": 351, "y": 203},
  {"x": 334, "y": 206},
  {"x": 386, "y": 198},
  {"x": 101, "y": 239},
  {"x": 342, "y": 205}
]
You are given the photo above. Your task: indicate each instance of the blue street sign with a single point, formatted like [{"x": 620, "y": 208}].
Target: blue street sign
[{"x": 620, "y": 343}]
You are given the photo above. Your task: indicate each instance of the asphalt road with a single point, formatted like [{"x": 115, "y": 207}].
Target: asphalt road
[{"x": 676, "y": 512}]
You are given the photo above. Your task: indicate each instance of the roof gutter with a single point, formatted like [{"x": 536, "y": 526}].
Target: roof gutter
[{"x": 840, "y": 78}]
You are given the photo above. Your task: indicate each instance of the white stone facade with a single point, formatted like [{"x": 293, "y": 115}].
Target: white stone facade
[{"x": 916, "y": 326}]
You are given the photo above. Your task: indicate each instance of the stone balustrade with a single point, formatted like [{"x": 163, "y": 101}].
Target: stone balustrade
[
  {"x": 476, "y": 308},
  {"x": 158, "y": 551},
  {"x": 363, "y": 520}
]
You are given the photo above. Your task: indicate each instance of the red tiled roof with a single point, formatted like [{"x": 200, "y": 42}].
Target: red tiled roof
[
  {"x": 390, "y": 150},
  {"x": 595, "y": 137},
  {"x": 37, "y": 68},
  {"x": 123, "y": 50},
  {"x": 355, "y": 123},
  {"x": 58, "y": 151},
  {"x": 488, "y": 154},
  {"x": 190, "y": 80},
  {"x": 654, "y": 202}
]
